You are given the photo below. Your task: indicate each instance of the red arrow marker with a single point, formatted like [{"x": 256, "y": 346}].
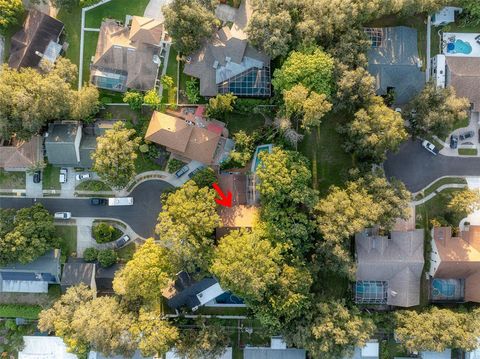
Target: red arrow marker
[{"x": 225, "y": 201}]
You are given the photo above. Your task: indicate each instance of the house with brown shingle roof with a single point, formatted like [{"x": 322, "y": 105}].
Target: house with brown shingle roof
[
  {"x": 455, "y": 264},
  {"x": 128, "y": 57},
  {"x": 463, "y": 74},
  {"x": 185, "y": 140},
  {"x": 19, "y": 155}
]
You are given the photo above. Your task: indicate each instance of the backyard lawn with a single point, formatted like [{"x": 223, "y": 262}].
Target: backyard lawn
[
  {"x": 12, "y": 180},
  {"x": 72, "y": 21},
  {"x": 68, "y": 240},
  {"x": 116, "y": 9},
  {"x": 330, "y": 163},
  {"x": 51, "y": 177},
  {"x": 89, "y": 48},
  {"x": 248, "y": 122},
  {"x": 126, "y": 253},
  {"x": 19, "y": 311}
]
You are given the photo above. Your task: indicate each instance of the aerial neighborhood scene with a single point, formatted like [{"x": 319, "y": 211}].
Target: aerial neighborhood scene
[{"x": 240, "y": 179}]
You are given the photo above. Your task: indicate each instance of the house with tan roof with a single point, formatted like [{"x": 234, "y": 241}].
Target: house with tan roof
[
  {"x": 187, "y": 141},
  {"x": 455, "y": 265},
  {"x": 229, "y": 64},
  {"x": 128, "y": 57},
  {"x": 19, "y": 155},
  {"x": 389, "y": 268}
]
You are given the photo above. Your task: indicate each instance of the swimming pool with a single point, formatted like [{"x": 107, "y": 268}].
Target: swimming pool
[
  {"x": 447, "y": 289},
  {"x": 256, "y": 161},
  {"x": 459, "y": 47},
  {"x": 374, "y": 292}
]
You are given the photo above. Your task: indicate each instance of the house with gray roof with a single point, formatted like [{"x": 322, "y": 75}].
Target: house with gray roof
[
  {"x": 70, "y": 144},
  {"x": 229, "y": 64},
  {"x": 389, "y": 269},
  {"x": 394, "y": 62},
  {"x": 76, "y": 272},
  {"x": 277, "y": 350},
  {"x": 33, "y": 277}
]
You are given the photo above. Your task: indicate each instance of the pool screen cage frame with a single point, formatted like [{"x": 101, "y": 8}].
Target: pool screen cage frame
[
  {"x": 375, "y": 35},
  {"x": 259, "y": 85},
  {"x": 376, "y": 297}
]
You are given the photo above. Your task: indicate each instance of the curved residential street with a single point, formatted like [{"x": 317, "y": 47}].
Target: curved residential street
[
  {"x": 417, "y": 168},
  {"x": 141, "y": 217}
]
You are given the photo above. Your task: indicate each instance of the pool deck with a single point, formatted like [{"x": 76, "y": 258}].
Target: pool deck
[{"x": 465, "y": 37}]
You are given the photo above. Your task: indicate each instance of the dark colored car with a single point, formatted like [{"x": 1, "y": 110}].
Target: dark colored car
[
  {"x": 122, "y": 241},
  {"x": 195, "y": 171},
  {"x": 453, "y": 141},
  {"x": 98, "y": 201},
  {"x": 465, "y": 135},
  {"x": 37, "y": 176},
  {"x": 182, "y": 171}
]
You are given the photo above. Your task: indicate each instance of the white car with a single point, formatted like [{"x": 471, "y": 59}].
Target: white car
[
  {"x": 429, "y": 147},
  {"x": 62, "y": 215},
  {"x": 82, "y": 176},
  {"x": 63, "y": 175}
]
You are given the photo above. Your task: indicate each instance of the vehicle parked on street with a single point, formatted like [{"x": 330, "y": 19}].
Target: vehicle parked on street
[
  {"x": 453, "y": 141},
  {"x": 124, "y": 201},
  {"x": 430, "y": 147},
  {"x": 122, "y": 241},
  {"x": 63, "y": 175},
  {"x": 83, "y": 176},
  {"x": 62, "y": 215},
  {"x": 182, "y": 171},
  {"x": 37, "y": 177},
  {"x": 98, "y": 201},
  {"x": 196, "y": 170},
  {"x": 466, "y": 135}
]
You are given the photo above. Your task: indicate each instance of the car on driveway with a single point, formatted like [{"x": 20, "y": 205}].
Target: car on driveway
[
  {"x": 98, "y": 201},
  {"x": 82, "y": 176},
  {"x": 122, "y": 241},
  {"x": 63, "y": 175},
  {"x": 182, "y": 171},
  {"x": 37, "y": 177},
  {"x": 62, "y": 215},
  {"x": 453, "y": 141},
  {"x": 466, "y": 135},
  {"x": 429, "y": 147}
]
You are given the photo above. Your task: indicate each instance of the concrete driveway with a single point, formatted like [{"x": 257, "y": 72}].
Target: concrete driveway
[
  {"x": 154, "y": 9},
  {"x": 417, "y": 168},
  {"x": 142, "y": 216}
]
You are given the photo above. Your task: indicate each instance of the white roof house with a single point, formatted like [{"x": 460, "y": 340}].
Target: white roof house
[
  {"x": 44, "y": 348},
  {"x": 370, "y": 351},
  {"x": 439, "y": 65},
  {"x": 445, "y": 16},
  {"x": 447, "y": 354}
]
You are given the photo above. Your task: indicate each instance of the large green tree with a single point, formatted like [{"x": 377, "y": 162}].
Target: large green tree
[
  {"x": 330, "y": 330},
  {"x": 189, "y": 24},
  {"x": 355, "y": 88},
  {"x": 438, "y": 329},
  {"x": 10, "y": 12},
  {"x": 312, "y": 68},
  {"x": 146, "y": 274},
  {"x": 114, "y": 157},
  {"x": 219, "y": 106},
  {"x": 26, "y": 234},
  {"x": 246, "y": 264},
  {"x": 375, "y": 130},
  {"x": 186, "y": 225}
]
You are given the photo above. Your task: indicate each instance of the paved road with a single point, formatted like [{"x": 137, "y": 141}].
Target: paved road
[
  {"x": 417, "y": 168},
  {"x": 142, "y": 216}
]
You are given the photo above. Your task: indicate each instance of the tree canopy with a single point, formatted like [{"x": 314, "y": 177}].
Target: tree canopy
[{"x": 10, "y": 12}]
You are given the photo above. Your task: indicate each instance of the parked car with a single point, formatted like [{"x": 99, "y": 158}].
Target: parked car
[
  {"x": 429, "y": 147},
  {"x": 82, "y": 176},
  {"x": 98, "y": 201},
  {"x": 466, "y": 135},
  {"x": 196, "y": 170},
  {"x": 37, "y": 176},
  {"x": 182, "y": 171},
  {"x": 453, "y": 141},
  {"x": 63, "y": 175},
  {"x": 62, "y": 215},
  {"x": 122, "y": 241}
]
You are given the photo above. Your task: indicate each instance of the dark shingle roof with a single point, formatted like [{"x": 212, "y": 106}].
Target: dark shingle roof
[
  {"x": 187, "y": 290},
  {"x": 39, "y": 29},
  {"x": 75, "y": 273}
]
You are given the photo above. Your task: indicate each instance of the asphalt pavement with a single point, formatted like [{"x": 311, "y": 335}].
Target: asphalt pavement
[
  {"x": 417, "y": 168},
  {"x": 142, "y": 216}
]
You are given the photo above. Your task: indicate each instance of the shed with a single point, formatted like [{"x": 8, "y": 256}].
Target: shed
[{"x": 78, "y": 272}]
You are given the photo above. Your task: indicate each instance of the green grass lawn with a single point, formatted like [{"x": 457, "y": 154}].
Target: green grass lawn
[
  {"x": 467, "y": 151},
  {"x": 126, "y": 253},
  {"x": 437, "y": 208},
  {"x": 93, "y": 185},
  {"x": 19, "y": 311},
  {"x": 144, "y": 164},
  {"x": 330, "y": 163},
  {"x": 51, "y": 177},
  {"x": 116, "y": 9},
  {"x": 443, "y": 181},
  {"x": 12, "y": 180},
  {"x": 110, "y": 96},
  {"x": 248, "y": 122},
  {"x": 89, "y": 48},
  {"x": 72, "y": 20},
  {"x": 68, "y": 240}
]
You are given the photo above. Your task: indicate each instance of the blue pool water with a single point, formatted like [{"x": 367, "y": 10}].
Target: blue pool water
[
  {"x": 444, "y": 288},
  {"x": 459, "y": 46}
]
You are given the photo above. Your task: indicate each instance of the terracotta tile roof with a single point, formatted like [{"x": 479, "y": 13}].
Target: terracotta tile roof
[
  {"x": 189, "y": 141},
  {"x": 146, "y": 30}
]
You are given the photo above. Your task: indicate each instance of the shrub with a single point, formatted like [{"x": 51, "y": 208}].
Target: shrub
[
  {"x": 192, "y": 90},
  {"x": 134, "y": 100},
  {"x": 90, "y": 254},
  {"x": 107, "y": 258},
  {"x": 205, "y": 177},
  {"x": 103, "y": 232},
  {"x": 174, "y": 165}
]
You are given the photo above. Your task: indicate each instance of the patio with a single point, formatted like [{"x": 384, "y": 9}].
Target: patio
[{"x": 461, "y": 44}]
